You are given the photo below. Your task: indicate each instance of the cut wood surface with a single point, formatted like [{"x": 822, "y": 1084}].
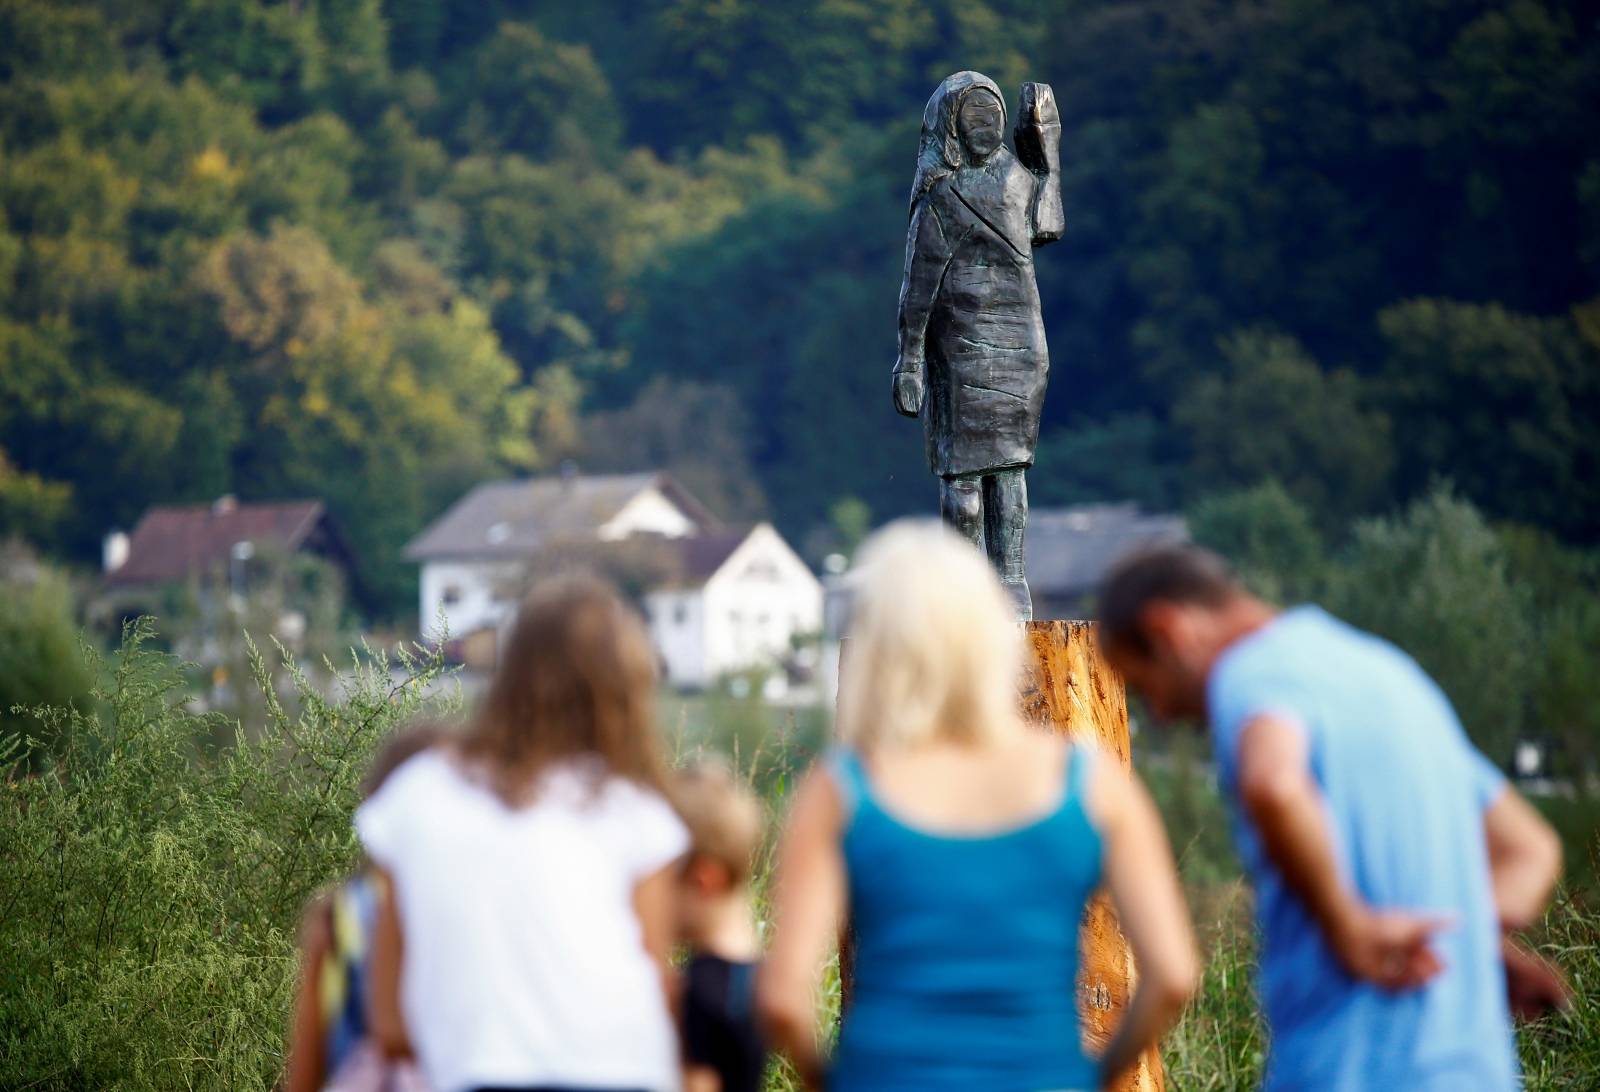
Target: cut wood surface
[{"x": 1071, "y": 689}]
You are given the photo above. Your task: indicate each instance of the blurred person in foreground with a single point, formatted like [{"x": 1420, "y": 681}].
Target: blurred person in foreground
[
  {"x": 963, "y": 844},
  {"x": 331, "y": 1046},
  {"x": 1388, "y": 856},
  {"x": 533, "y": 862},
  {"x": 723, "y": 1049}
]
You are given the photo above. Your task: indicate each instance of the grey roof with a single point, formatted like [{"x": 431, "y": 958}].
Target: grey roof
[
  {"x": 510, "y": 520},
  {"x": 1070, "y": 550},
  {"x": 702, "y": 555},
  {"x": 647, "y": 561}
]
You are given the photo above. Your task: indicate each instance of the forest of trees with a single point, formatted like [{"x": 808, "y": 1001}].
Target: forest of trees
[{"x": 376, "y": 250}]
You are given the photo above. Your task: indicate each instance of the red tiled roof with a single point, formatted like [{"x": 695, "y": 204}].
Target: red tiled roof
[{"x": 172, "y": 543}]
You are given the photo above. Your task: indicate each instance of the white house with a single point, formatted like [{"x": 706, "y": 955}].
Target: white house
[
  {"x": 717, "y": 600},
  {"x": 738, "y": 601}
]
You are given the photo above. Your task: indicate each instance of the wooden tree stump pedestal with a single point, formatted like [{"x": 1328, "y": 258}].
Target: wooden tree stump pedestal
[{"x": 1071, "y": 689}]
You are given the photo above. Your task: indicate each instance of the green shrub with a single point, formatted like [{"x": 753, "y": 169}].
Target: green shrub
[
  {"x": 149, "y": 890},
  {"x": 1436, "y": 581},
  {"x": 40, "y": 662}
]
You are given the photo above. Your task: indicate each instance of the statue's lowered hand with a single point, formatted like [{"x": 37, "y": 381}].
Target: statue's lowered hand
[
  {"x": 1038, "y": 133},
  {"x": 908, "y": 391}
]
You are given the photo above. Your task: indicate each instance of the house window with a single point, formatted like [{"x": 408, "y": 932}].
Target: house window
[
  {"x": 451, "y": 595},
  {"x": 680, "y": 613},
  {"x": 763, "y": 569}
]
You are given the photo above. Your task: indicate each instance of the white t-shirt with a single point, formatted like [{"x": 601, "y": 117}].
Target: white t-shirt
[{"x": 524, "y": 961}]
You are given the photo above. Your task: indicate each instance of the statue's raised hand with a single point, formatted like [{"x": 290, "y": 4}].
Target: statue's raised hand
[
  {"x": 1038, "y": 133},
  {"x": 908, "y": 390}
]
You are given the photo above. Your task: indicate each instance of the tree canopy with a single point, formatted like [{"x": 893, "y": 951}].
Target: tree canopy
[{"x": 374, "y": 250}]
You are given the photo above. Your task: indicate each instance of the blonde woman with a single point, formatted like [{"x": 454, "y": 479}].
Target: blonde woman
[{"x": 963, "y": 845}]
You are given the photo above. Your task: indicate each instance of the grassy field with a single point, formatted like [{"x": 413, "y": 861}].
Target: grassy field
[
  {"x": 1220, "y": 1043},
  {"x": 153, "y": 867}
]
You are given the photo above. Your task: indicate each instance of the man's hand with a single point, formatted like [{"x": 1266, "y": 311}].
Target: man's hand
[
  {"x": 908, "y": 390},
  {"x": 1386, "y": 947},
  {"x": 1534, "y": 986},
  {"x": 1390, "y": 948}
]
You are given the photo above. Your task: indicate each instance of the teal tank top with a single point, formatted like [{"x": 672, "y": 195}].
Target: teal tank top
[{"x": 966, "y": 961}]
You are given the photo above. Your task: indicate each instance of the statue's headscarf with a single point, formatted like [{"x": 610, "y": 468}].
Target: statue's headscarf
[{"x": 940, "y": 152}]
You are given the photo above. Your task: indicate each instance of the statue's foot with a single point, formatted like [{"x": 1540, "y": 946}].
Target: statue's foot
[{"x": 1021, "y": 598}]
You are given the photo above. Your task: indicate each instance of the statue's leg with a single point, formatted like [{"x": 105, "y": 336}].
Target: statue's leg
[
  {"x": 1005, "y": 503},
  {"x": 961, "y": 505}
]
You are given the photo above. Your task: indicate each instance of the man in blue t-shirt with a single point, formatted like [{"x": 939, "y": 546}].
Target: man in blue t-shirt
[{"x": 1388, "y": 856}]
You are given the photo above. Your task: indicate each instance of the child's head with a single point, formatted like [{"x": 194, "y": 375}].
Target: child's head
[
  {"x": 577, "y": 676},
  {"x": 725, "y": 829}
]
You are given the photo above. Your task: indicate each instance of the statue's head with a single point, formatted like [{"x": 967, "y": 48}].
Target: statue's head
[
  {"x": 962, "y": 125},
  {"x": 980, "y": 121}
]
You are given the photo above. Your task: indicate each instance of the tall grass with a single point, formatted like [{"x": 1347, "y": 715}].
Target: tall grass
[
  {"x": 1220, "y": 1042},
  {"x": 1562, "y": 1051},
  {"x": 150, "y": 889},
  {"x": 150, "y": 881}
]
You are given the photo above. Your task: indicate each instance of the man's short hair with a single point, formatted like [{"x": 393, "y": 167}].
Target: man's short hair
[
  {"x": 725, "y": 820},
  {"x": 1173, "y": 573}
]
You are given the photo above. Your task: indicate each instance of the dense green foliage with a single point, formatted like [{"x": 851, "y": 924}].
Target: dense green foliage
[
  {"x": 1502, "y": 618},
  {"x": 150, "y": 887},
  {"x": 41, "y": 663},
  {"x": 372, "y": 250}
]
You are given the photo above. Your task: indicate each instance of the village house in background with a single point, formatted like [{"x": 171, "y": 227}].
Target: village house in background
[
  {"x": 735, "y": 599},
  {"x": 207, "y": 569},
  {"x": 718, "y": 600},
  {"x": 1070, "y": 550}
]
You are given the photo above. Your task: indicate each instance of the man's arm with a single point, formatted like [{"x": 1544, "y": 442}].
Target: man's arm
[
  {"x": 1524, "y": 863},
  {"x": 1524, "y": 858},
  {"x": 1389, "y": 948}
]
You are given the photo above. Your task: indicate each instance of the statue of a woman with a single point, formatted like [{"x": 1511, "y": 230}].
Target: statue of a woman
[{"x": 972, "y": 360}]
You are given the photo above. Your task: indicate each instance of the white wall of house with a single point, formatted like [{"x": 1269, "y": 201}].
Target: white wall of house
[
  {"x": 756, "y": 602},
  {"x": 649, "y": 513},
  {"x": 744, "y": 615},
  {"x": 469, "y": 593},
  {"x": 677, "y": 627}
]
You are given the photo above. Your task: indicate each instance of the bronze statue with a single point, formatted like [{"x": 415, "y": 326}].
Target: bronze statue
[{"x": 972, "y": 360}]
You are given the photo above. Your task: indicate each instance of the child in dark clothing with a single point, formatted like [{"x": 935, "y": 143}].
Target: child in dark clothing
[{"x": 723, "y": 1049}]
